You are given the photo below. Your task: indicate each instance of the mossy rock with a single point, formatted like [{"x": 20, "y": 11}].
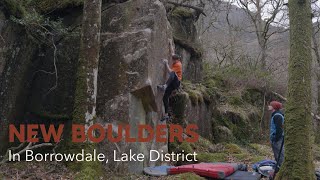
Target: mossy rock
[
  {"x": 233, "y": 149},
  {"x": 212, "y": 157},
  {"x": 236, "y": 119},
  {"x": 203, "y": 145},
  {"x": 179, "y": 106},
  {"x": 253, "y": 97},
  {"x": 186, "y": 147},
  {"x": 182, "y": 12},
  {"x": 195, "y": 97},
  {"x": 185, "y": 176},
  {"x": 183, "y": 148},
  {"x": 223, "y": 134},
  {"x": 197, "y": 93},
  {"x": 235, "y": 100}
]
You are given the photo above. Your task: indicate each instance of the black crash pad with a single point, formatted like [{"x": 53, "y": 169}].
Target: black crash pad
[{"x": 244, "y": 175}]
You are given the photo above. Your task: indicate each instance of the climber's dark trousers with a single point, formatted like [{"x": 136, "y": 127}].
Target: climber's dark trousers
[{"x": 172, "y": 84}]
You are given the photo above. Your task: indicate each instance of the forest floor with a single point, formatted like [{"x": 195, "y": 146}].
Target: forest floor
[{"x": 248, "y": 155}]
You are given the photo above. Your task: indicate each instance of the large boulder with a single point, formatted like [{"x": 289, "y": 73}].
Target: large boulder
[
  {"x": 188, "y": 109},
  {"x": 135, "y": 36},
  {"x": 186, "y": 41},
  {"x": 16, "y": 54}
]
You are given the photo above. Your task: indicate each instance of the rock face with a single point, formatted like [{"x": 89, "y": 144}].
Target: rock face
[
  {"x": 16, "y": 54},
  {"x": 185, "y": 36},
  {"x": 201, "y": 114},
  {"x": 136, "y": 35},
  {"x": 187, "y": 111}
]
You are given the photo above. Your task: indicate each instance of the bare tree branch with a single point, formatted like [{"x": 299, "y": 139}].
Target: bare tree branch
[
  {"x": 30, "y": 146},
  {"x": 55, "y": 67}
]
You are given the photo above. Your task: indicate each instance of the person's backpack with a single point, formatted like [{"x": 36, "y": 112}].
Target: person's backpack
[
  {"x": 265, "y": 167},
  {"x": 266, "y": 162}
]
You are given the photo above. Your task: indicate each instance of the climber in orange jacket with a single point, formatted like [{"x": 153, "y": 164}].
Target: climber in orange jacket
[{"x": 173, "y": 82}]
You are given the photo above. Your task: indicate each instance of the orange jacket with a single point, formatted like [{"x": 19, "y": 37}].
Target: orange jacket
[{"x": 177, "y": 67}]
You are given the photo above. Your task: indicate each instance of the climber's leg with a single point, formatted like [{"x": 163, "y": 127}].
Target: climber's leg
[
  {"x": 172, "y": 76},
  {"x": 172, "y": 80},
  {"x": 165, "y": 99}
]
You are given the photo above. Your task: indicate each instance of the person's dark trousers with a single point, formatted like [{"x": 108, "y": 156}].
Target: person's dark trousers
[
  {"x": 276, "y": 147},
  {"x": 172, "y": 84}
]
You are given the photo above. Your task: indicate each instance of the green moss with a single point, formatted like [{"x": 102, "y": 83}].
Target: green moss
[
  {"x": 179, "y": 107},
  {"x": 253, "y": 97},
  {"x": 298, "y": 163},
  {"x": 317, "y": 135},
  {"x": 233, "y": 149},
  {"x": 222, "y": 134},
  {"x": 86, "y": 169},
  {"x": 235, "y": 100},
  {"x": 261, "y": 149},
  {"x": 242, "y": 121},
  {"x": 172, "y": 146},
  {"x": 183, "y": 148},
  {"x": 90, "y": 170},
  {"x": 186, "y": 147},
  {"x": 212, "y": 157},
  {"x": 203, "y": 143},
  {"x": 316, "y": 152},
  {"x": 197, "y": 93},
  {"x": 255, "y": 159},
  {"x": 80, "y": 93},
  {"x": 242, "y": 156},
  {"x": 195, "y": 97},
  {"x": 182, "y": 12}
]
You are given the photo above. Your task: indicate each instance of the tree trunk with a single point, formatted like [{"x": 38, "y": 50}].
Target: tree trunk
[
  {"x": 86, "y": 88},
  {"x": 298, "y": 163},
  {"x": 316, "y": 74},
  {"x": 263, "y": 59},
  {"x": 260, "y": 35},
  {"x": 317, "y": 121}
]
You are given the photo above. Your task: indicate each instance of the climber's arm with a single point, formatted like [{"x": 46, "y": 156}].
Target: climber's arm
[{"x": 165, "y": 61}]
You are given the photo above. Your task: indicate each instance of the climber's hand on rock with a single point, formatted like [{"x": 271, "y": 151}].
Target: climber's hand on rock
[{"x": 165, "y": 61}]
